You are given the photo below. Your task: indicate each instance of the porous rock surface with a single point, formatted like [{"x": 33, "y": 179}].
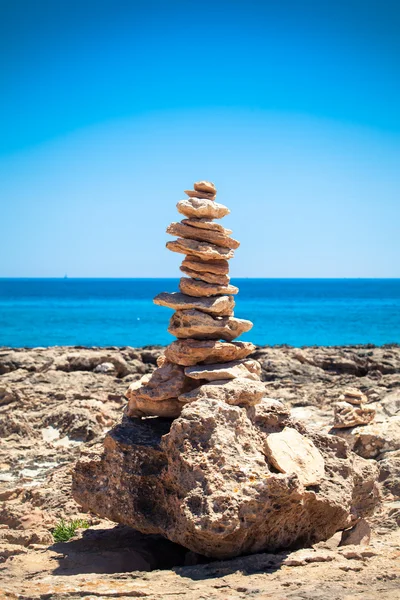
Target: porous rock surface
[{"x": 205, "y": 482}]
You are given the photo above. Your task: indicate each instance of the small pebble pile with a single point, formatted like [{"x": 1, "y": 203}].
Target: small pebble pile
[
  {"x": 351, "y": 411},
  {"x": 204, "y": 361}
]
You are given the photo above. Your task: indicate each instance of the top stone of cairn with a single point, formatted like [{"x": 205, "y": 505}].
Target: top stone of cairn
[{"x": 202, "y": 189}]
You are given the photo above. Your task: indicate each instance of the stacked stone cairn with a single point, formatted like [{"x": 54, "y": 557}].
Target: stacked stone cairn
[
  {"x": 350, "y": 410},
  {"x": 204, "y": 362}
]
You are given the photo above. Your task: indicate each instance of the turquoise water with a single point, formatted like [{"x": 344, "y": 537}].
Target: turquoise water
[{"x": 120, "y": 312}]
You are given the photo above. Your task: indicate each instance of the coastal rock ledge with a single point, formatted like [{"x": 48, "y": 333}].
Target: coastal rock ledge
[{"x": 212, "y": 481}]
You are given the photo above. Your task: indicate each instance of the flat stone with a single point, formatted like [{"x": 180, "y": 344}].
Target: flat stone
[
  {"x": 217, "y": 305},
  {"x": 203, "y": 250},
  {"x": 350, "y": 415},
  {"x": 219, "y": 267},
  {"x": 205, "y": 186},
  {"x": 207, "y": 224},
  {"x": 290, "y": 452},
  {"x": 201, "y": 326},
  {"x": 202, "y": 235},
  {"x": 247, "y": 368},
  {"x": 207, "y": 277},
  {"x": 202, "y": 208},
  {"x": 138, "y": 407},
  {"x": 353, "y": 396},
  {"x": 192, "y": 287},
  {"x": 238, "y": 392},
  {"x": 197, "y": 194},
  {"x": 359, "y": 535},
  {"x": 191, "y": 352},
  {"x": 168, "y": 381}
]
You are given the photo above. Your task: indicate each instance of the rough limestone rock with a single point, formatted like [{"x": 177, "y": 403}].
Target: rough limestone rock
[
  {"x": 219, "y": 267},
  {"x": 203, "y": 481},
  {"x": 204, "y": 250},
  {"x": 141, "y": 407},
  {"x": 205, "y": 186},
  {"x": 202, "y": 208},
  {"x": 290, "y": 452},
  {"x": 198, "y": 194},
  {"x": 202, "y": 235},
  {"x": 208, "y": 277},
  {"x": 353, "y": 396},
  {"x": 219, "y": 305},
  {"x": 207, "y": 224},
  {"x": 201, "y": 326},
  {"x": 247, "y": 368},
  {"x": 191, "y": 352},
  {"x": 192, "y": 287},
  {"x": 350, "y": 415},
  {"x": 237, "y": 392}
]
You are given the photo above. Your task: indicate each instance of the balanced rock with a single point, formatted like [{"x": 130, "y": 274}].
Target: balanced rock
[
  {"x": 195, "y": 288},
  {"x": 202, "y": 250},
  {"x": 353, "y": 396},
  {"x": 205, "y": 186},
  {"x": 290, "y": 452},
  {"x": 247, "y": 368},
  {"x": 350, "y": 415},
  {"x": 216, "y": 305},
  {"x": 191, "y": 352},
  {"x": 198, "y": 194},
  {"x": 202, "y": 209},
  {"x": 207, "y": 277},
  {"x": 219, "y": 267},
  {"x": 202, "y": 326},
  {"x": 207, "y": 224},
  {"x": 139, "y": 407},
  {"x": 202, "y": 235},
  {"x": 203, "y": 481},
  {"x": 168, "y": 381},
  {"x": 238, "y": 392}
]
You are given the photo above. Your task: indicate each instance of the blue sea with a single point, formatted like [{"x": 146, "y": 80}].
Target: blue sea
[{"x": 120, "y": 312}]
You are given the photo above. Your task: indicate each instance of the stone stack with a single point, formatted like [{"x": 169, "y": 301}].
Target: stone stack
[
  {"x": 204, "y": 362},
  {"x": 351, "y": 411}
]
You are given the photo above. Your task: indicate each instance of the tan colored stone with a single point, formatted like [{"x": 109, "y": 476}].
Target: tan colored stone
[
  {"x": 247, "y": 368},
  {"x": 238, "y": 392},
  {"x": 196, "y": 194},
  {"x": 191, "y": 352},
  {"x": 290, "y": 452},
  {"x": 205, "y": 186},
  {"x": 203, "y": 250},
  {"x": 202, "y": 208},
  {"x": 219, "y": 267},
  {"x": 207, "y": 224},
  {"x": 138, "y": 407},
  {"x": 202, "y": 235},
  {"x": 359, "y": 535},
  {"x": 349, "y": 415},
  {"x": 217, "y": 305},
  {"x": 353, "y": 396},
  {"x": 201, "y": 326},
  {"x": 167, "y": 381},
  {"x": 207, "y": 277},
  {"x": 192, "y": 287}
]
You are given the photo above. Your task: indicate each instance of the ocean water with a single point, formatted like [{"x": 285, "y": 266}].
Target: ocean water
[{"x": 120, "y": 312}]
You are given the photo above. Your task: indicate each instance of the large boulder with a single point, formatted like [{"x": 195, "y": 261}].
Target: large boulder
[{"x": 206, "y": 481}]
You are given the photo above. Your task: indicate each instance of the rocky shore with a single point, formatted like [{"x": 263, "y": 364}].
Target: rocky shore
[{"x": 57, "y": 404}]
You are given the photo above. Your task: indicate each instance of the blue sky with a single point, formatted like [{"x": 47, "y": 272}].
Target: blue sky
[{"x": 108, "y": 110}]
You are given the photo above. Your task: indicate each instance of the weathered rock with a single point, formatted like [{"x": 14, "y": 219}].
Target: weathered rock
[
  {"x": 195, "y": 288},
  {"x": 350, "y": 415},
  {"x": 208, "y": 277},
  {"x": 202, "y": 209},
  {"x": 218, "y": 305},
  {"x": 247, "y": 368},
  {"x": 201, "y": 326},
  {"x": 198, "y": 194},
  {"x": 202, "y": 235},
  {"x": 202, "y": 250},
  {"x": 237, "y": 392},
  {"x": 207, "y": 224},
  {"x": 191, "y": 352},
  {"x": 168, "y": 381},
  {"x": 219, "y": 267},
  {"x": 139, "y": 407},
  {"x": 205, "y": 186},
  {"x": 359, "y": 535},
  {"x": 353, "y": 396},
  {"x": 154, "y": 473},
  {"x": 290, "y": 452}
]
